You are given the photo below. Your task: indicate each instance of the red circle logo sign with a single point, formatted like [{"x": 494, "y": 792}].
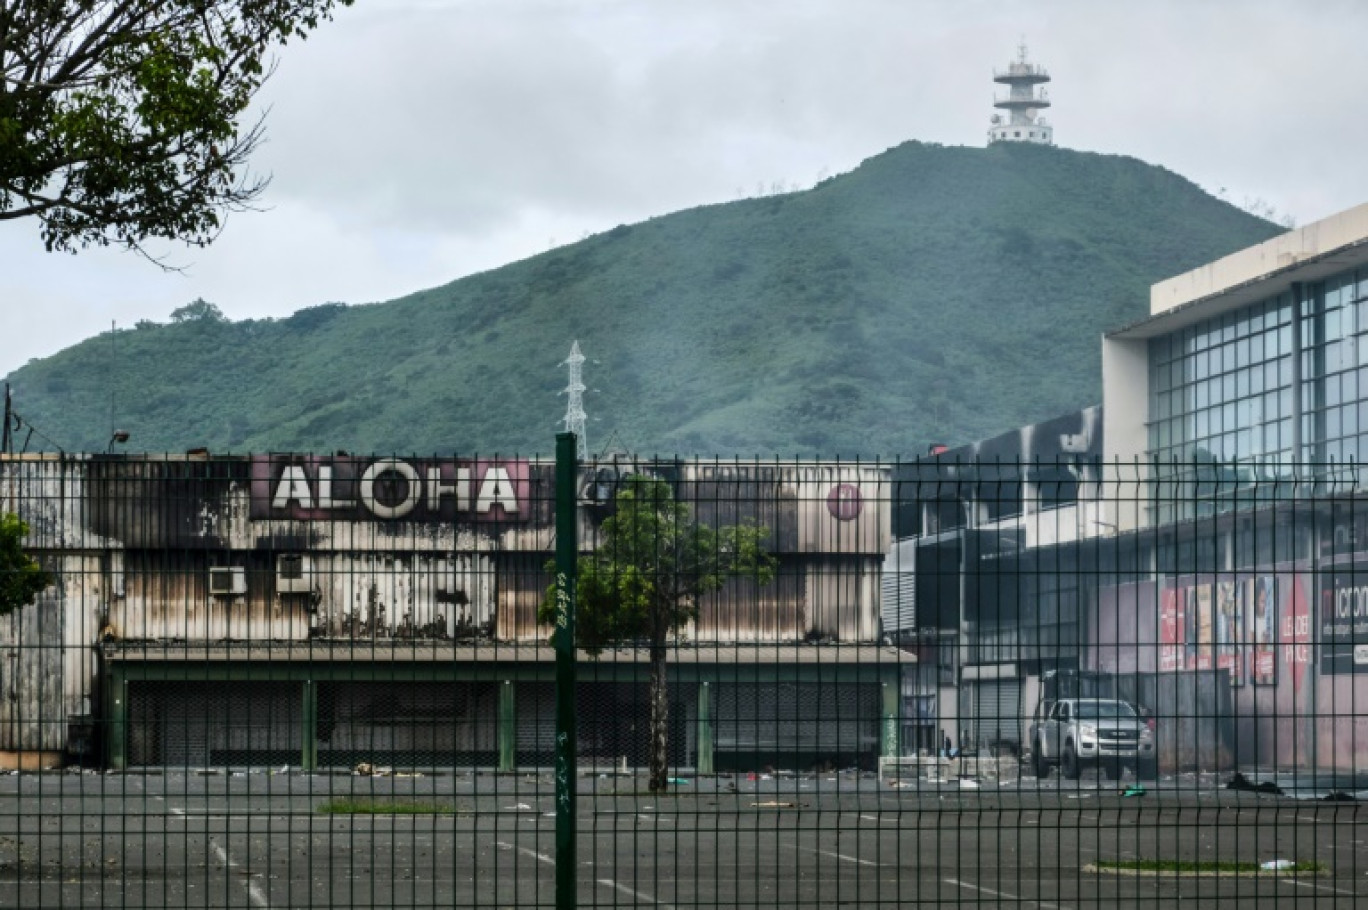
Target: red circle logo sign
[{"x": 844, "y": 502}]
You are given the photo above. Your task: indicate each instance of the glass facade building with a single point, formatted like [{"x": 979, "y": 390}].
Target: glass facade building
[{"x": 1270, "y": 392}]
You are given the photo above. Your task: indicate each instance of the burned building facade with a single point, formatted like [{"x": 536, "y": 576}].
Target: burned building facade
[{"x": 322, "y": 611}]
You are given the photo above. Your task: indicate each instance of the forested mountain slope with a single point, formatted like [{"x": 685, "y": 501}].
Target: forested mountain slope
[{"x": 932, "y": 293}]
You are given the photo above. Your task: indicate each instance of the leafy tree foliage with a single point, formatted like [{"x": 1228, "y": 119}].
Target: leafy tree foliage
[
  {"x": 643, "y": 581},
  {"x": 21, "y": 578},
  {"x": 198, "y": 309},
  {"x": 121, "y": 120}
]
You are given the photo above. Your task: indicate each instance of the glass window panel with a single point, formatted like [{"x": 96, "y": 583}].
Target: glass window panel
[
  {"x": 1283, "y": 408},
  {"x": 1332, "y": 390},
  {"x": 1243, "y": 412},
  {"x": 1242, "y": 383},
  {"x": 1333, "y": 328},
  {"x": 1256, "y": 379},
  {"x": 1201, "y": 424},
  {"x": 1227, "y": 386},
  {"x": 1349, "y": 446},
  {"x": 1331, "y": 294},
  {"x": 1284, "y": 365},
  {"x": 1203, "y": 394},
  {"x": 1334, "y": 357},
  {"x": 1332, "y": 423},
  {"x": 1363, "y": 284},
  {"x": 1284, "y": 337},
  {"x": 1228, "y": 423},
  {"x": 1349, "y": 416}
]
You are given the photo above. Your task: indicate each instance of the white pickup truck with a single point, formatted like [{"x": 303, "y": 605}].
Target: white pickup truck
[{"x": 1081, "y": 732}]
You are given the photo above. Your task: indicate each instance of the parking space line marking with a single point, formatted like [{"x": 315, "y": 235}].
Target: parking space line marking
[
  {"x": 539, "y": 857},
  {"x": 849, "y": 859},
  {"x": 875, "y": 818},
  {"x": 253, "y": 889},
  {"x": 639, "y": 895},
  {"x": 1292, "y": 881},
  {"x": 1003, "y": 894}
]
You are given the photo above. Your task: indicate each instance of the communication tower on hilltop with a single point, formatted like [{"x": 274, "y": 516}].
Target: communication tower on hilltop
[
  {"x": 1023, "y": 102},
  {"x": 575, "y": 418}
]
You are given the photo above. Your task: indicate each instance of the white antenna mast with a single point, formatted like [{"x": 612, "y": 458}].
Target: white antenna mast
[{"x": 575, "y": 418}]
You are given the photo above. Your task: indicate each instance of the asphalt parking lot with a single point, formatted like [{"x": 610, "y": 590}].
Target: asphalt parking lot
[{"x": 258, "y": 839}]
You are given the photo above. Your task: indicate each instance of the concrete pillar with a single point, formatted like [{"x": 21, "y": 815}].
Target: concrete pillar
[
  {"x": 508, "y": 727},
  {"x": 116, "y": 745},
  {"x": 308, "y": 758},
  {"x": 705, "y": 729},
  {"x": 890, "y": 717}
]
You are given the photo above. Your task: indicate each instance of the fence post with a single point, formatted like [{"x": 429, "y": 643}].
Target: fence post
[
  {"x": 508, "y": 727},
  {"x": 567, "y": 554}
]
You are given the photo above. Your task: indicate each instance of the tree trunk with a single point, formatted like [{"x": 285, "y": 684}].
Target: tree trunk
[{"x": 658, "y": 751}]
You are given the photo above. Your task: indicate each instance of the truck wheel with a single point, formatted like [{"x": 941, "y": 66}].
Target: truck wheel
[
  {"x": 1148, "y": 769},
  {"x": 1042, "y": 764},
  {"x": 1069, "y": 767}
]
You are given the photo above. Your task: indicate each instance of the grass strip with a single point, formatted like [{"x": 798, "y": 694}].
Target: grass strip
[{"x": 364, "y": 806}]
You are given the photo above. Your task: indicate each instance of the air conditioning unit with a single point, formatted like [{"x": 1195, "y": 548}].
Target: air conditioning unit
[
  {"x": 228, "y": 581},
  {"x": 294, "y": 574}
]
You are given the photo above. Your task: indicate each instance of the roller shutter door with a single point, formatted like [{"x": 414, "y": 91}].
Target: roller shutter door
[{"x": 997, "y": 712}]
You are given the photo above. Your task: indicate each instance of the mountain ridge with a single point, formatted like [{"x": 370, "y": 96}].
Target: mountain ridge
[{"x": 904, "y": 302}]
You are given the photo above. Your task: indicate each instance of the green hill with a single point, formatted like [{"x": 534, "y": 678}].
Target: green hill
[{"x": 933, "y": 293}]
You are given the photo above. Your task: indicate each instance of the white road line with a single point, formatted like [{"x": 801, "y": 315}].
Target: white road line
[
  {"x": 609, "y": 883},
  {"x": 875, "y": 818},
  {"x": 539, "y": 857},
  {"x": 253, "y": 889},
  {"x": 1292, "y": 881},
  {"x": 1003, "y": 894},
  {"x": 849, "y": 859}
]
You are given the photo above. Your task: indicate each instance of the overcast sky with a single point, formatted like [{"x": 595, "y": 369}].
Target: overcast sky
[{"x": 411, "y": 142}]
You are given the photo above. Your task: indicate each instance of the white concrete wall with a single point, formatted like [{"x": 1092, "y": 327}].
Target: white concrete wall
[
  {"x": 1284, "y": 251},
  {"x": 1125, "y": 411}
]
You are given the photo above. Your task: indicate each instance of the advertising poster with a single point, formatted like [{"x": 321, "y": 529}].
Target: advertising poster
[
  {"x": 1205, "y": 636},
  {"x": 1263, "y": 628},
  {"x": 1189, "y": 596},
  {"x": 1228, "y": 627},
  {"x": 1170, "y": 630},
  {"x": 1344, "y": 620}
]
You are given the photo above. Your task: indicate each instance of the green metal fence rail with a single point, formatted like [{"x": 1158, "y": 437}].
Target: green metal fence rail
[{"x": 402, "y": 681}]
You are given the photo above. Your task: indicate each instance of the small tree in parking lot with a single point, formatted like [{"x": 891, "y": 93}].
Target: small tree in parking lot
[
  {"x": 643, "y": 582},
  {"x": 21, "y": 578}
]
